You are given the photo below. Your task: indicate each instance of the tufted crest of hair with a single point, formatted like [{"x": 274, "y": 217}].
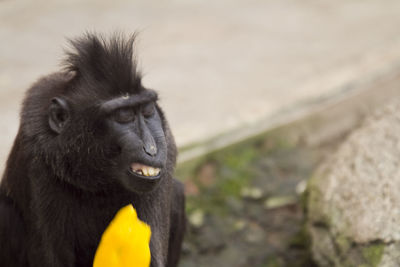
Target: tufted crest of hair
[{"x": 108, "y": 62}]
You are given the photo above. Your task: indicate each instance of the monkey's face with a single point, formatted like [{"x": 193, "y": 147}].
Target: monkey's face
[
  {"x": 135, "y": 130},
  {"x": 124, "y": 140}
]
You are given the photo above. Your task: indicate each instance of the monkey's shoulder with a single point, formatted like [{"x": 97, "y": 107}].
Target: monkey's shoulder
[
  {"x": 178, "y": 186},
  {"x": 12, "y": 232}
]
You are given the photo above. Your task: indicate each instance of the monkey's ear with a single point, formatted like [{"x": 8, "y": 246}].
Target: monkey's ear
[{"x": 59, "y": 114}]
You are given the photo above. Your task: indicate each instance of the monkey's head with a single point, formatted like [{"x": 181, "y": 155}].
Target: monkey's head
[{"x": 95, "y": 125}]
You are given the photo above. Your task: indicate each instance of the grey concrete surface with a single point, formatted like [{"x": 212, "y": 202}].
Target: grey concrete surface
[{"x": 218, "y": 65}]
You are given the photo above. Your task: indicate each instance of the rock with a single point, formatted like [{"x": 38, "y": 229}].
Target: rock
[
  {"x": 279, "y": 201},
  {"x": 251, "y": 193},
  {"x": 197, "y": 218},
  {"x": 354, "y": 197},
  {"x": 191, "y": 189},
  {"x": 254, "y": 233},
  {"x": 207, "y": 174},
  {"x": 301, "y": 187},
  {"x": 234, "y": 205},
  {"x": 239, "y": 225}
]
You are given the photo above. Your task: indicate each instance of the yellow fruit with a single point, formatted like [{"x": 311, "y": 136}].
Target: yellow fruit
[{"x": 125, "y": 242}]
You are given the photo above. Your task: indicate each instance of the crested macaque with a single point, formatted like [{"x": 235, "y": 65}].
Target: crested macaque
[{"x": 92, "y": 139}]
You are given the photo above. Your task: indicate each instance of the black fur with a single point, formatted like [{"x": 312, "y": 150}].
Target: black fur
[{"x": 61, "y": 188}]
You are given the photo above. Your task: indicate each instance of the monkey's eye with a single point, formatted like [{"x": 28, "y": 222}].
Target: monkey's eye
[
  {"x": 148, "y": 110},
  {"x": 124, "y": 115}
]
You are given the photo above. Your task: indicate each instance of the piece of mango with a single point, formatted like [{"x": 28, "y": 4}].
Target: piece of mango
[{"x": 125, "y": 242}]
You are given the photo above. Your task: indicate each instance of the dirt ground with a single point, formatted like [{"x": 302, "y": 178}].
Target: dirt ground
[{"x": 245, "y": 205}]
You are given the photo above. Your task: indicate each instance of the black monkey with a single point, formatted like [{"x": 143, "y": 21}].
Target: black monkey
[{"x": 91, "y": 140}]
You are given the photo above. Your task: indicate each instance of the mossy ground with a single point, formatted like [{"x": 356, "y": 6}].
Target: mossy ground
[
  {"x": 242, "y": 204},
  {"x": 373, "y": 253}
]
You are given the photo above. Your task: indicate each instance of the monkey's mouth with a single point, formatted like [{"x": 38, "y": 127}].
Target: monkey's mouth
[{"x": 144, "y": 170}]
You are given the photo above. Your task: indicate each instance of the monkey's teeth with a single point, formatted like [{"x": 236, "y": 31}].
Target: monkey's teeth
[
  {"x": 144, "y": 170},
  {"x": 150, "y": 171}
]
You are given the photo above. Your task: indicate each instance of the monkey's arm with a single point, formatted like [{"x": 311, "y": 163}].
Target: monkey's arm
[
  {"x": 12, "y": 233},
  {"x": 178, "y": 224}
]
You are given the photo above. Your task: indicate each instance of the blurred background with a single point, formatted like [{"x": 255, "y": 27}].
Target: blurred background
[{"x": 257, "y": 94}]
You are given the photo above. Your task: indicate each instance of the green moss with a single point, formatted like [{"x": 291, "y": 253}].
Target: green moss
[
  {"x": 186, "y": 170},
  {"x": 373, "y": 254},
  {"x": 303, "y": 200},
  {"x": 343, "y": 244},
  {"x": 234, "y": 171},
  {"x": 302, "y": 239},
  {"x": 274, "y": 163},
  {"x": 273, "y": 262},
  {"x": 316, "y": 206}
]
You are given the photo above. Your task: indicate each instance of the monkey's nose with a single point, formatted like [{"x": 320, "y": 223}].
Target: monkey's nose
[{"x": 150, "y": 150}]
